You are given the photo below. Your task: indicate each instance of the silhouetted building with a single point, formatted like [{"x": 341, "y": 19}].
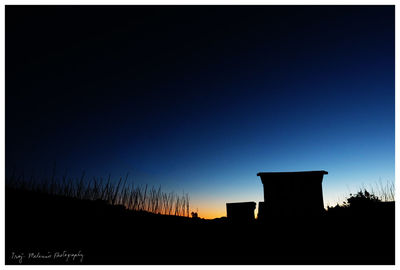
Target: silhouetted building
[
  {"x": 292, "y": 193},
  {"x": 241, "y": 211}
]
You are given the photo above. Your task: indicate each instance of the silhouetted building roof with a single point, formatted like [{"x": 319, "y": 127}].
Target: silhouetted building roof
[{"x": 289, "y": 174}]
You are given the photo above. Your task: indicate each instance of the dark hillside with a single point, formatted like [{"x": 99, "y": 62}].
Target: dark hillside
[{"x": 106, "y": 234}]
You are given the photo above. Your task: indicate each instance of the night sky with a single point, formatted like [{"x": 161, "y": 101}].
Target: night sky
[{"x": 201, "y": 99}]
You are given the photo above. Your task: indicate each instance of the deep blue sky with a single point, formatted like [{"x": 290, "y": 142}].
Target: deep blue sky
[{"x": 201, "y": 99}]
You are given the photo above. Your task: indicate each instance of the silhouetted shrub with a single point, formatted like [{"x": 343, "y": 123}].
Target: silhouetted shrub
[
  {"x": 361, "y": 203},
  {"x": 362, "y": 200}
]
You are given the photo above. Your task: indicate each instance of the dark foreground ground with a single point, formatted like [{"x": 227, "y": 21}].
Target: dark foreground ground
[{"x": 44, "y": 229}]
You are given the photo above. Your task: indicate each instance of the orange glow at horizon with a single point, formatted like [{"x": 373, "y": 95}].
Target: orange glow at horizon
[{"x": 211, "y": 213}]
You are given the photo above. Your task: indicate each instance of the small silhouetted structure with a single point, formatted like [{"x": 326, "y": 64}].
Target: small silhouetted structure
[
  {"x": 240, "y": 211},
  {"x": 292, "y": 193}
]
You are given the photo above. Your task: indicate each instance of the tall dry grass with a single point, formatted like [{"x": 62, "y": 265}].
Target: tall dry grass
[
  {"x": 120, "y": 192},
  {"x": 384, "y": 191}
]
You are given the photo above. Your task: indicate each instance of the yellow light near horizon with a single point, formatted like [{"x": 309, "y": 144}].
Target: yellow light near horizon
[{"x": 211, "y": 213}]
